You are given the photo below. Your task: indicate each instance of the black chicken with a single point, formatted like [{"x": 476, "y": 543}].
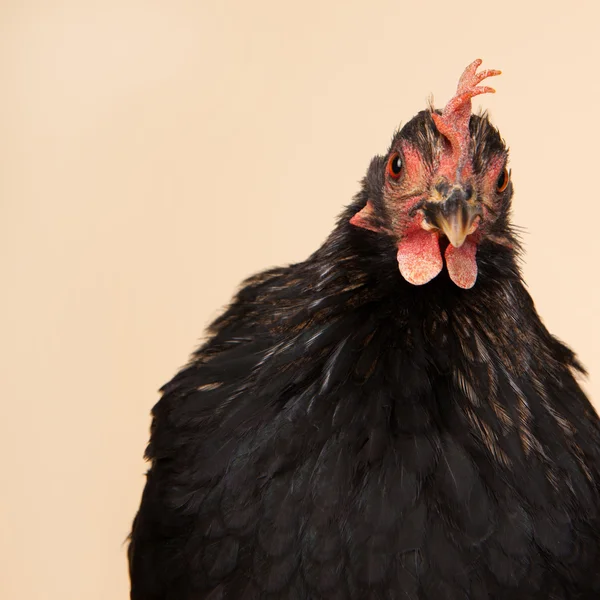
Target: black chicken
[{"x": 368, "y": 424}]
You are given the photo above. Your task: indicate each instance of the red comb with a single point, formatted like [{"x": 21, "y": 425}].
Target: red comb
[{"x": 453, "y": 123}]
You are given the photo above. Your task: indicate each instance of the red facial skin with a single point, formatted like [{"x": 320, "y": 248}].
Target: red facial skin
[
  {"x": 403, "y": 194},
  {"x": 488, "y": 186},
  {"x": 419, "y": 256}
]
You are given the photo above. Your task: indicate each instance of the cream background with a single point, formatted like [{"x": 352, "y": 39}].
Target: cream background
[{"x": 153, "y": 154}]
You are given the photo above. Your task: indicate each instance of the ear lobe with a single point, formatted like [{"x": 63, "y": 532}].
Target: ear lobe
[{"x": 365, "y": 218}]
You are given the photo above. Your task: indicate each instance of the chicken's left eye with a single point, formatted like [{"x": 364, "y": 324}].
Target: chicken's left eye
[
  {"x": 503, "y": 180},
  {"x": 395, "y": 166}
]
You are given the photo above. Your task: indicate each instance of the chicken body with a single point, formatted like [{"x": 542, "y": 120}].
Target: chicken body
[{"x": 347, "y": 434}]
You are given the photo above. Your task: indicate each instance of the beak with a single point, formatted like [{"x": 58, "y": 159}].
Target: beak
[{"x": 456, "y": 216}]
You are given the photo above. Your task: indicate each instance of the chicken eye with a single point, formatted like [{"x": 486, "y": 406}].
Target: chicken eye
[
  {"x": 502, "y": 182},
  {"x": 395, "y": 166}
]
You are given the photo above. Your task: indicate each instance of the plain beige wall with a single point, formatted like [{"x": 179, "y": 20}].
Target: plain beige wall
[{"x": 153, "y": 154}]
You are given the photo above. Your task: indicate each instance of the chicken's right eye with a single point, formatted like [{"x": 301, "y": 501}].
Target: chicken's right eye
[{"x": 395, "y": 166}]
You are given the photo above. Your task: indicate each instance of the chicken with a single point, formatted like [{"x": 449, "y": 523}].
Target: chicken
[{"x": 389, "y": 418}]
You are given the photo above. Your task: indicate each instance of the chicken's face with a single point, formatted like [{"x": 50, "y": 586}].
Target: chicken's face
[{"x": 445, "y": 187}]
